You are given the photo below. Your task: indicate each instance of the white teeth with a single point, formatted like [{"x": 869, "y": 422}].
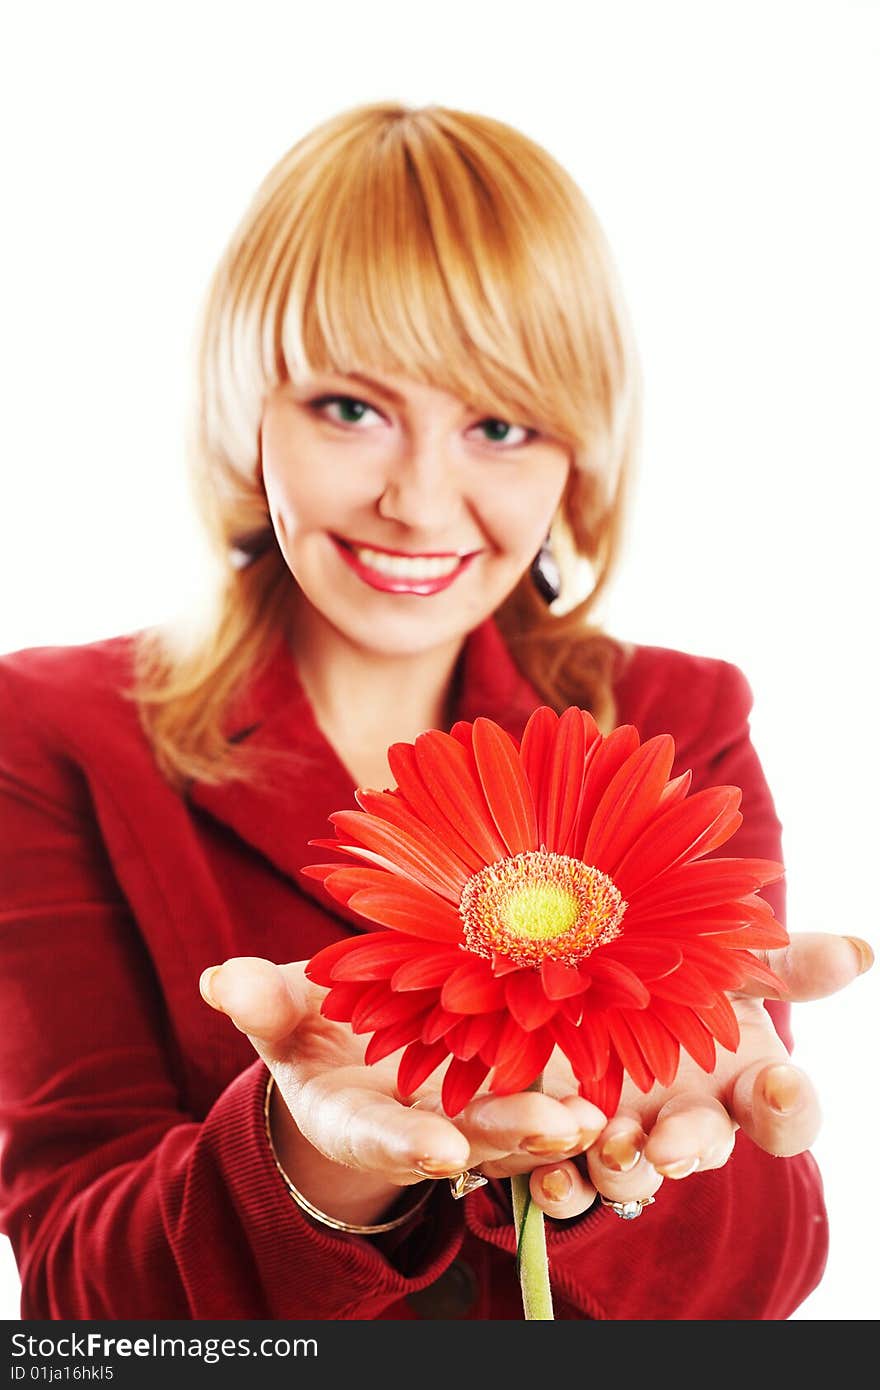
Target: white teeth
[{"x": 416, "y": 567}]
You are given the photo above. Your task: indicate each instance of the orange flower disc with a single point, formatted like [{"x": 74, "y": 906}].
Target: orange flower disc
[{"x": 536, "y": 906}]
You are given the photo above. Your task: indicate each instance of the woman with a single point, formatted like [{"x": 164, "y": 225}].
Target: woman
[{"x": 417, "y": 394}]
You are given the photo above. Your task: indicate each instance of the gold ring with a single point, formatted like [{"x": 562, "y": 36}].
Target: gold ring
[
  {"x": 466, "y": 1182},
  {"x": 462, "y": 1183},
  {"x": 627, "y": 1211}
]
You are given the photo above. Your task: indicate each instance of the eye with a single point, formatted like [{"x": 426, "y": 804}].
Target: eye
[
  {"x": 503, "y": 432},
  {"x": 351, "y": 410}
]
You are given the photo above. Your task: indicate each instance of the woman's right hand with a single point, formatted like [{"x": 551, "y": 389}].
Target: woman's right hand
[{"x": 341, "y": 1129}]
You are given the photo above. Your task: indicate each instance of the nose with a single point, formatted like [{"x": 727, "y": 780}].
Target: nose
[{"x": 422, "y": 489}]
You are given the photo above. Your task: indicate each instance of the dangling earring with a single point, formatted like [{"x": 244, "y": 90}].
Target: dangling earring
[
  {"x": 545, "y": 572},
  {"x": 245, "y": 550}
]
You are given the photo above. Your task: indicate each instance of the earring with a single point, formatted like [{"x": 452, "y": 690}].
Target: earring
[
  {"x": 245, "y": 550},
  {"x": 545, "y": 572}
]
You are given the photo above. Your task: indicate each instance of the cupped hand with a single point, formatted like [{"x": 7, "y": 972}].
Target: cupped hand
[
  {"x": 351, "y": 1141},
  {"x": 672, "y": 1132},
  {"x": 343, "y": 1132}
]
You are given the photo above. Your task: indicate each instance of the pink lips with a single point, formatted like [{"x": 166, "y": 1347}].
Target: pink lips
[{"x": 398, "y": 583}]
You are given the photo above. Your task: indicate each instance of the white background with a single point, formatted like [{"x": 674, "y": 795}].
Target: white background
[{"x": 730, "y": 152}]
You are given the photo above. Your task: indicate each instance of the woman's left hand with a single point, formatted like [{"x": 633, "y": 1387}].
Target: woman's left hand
[{"x": 673, "y": 1131}]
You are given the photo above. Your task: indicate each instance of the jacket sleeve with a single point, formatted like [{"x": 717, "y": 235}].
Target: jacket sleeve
[
  {"x": 119, "y": 1203},
  {"x": 746, "y": 1241}
]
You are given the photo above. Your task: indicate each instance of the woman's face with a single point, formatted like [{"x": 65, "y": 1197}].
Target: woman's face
[{"x": 404, "y": 515}]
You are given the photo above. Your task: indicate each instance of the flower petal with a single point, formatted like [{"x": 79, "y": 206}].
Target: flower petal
[
  {"x": 417, "y": 1063},
  {"x": 503, "y": 965},
  {"x": 322, "y": 962},
  {"x": 537, "y": 741},
  {"x": 701, "y": 884},
  {"x": 443, "y": 842},
  {"x": 628, "y": 1050},
  {"x": 505, "y": 787},
  {"x": 657, "y": 1045},
  {"x": 416, "y": 855},
  {"x": 522, "y": 1061},
  {"x": 561, "y": 981},
  {"x": 461, "y": 1082},
  {"x": 764, "y": 937},
  {"x": 686, "y": 985},
  {"x": 438, "y": 1023},
  {"x": 587, "y": 1046},
  {"x": 680, "y": 833},
  {"x": 565, "y": 781},
  {"x": 615, "y": 980},
  {"x": 755, "y": 969},
  {"x": 320, "y": 871},
  {"x": 649, "y": 959},
  {"x": 402, "y": 761},
  {"x": 603, "y": 761},
  {"x": 449, "y": 774},
  {"x": 605, "y": 1092},
  {"x": 406, "y": 907},
  {"x": 385, "y": 1008},
  {"x": 722, "y": 968},
  {"x": 676, "y": 790},
  {"x": 750, "y": 911},
  {"x": 526, "y": 1000},
  {"x": 721, "y": 1021},
  {"x": 629, "y": 803},
  {"x": 375, "y": 958},
  {"x": 387, "y": 1040},
  {"x": 428, "y": 970},
  {"x": 472, "y": 989},
  {"x": 685, "y": 1025},
  {"x": 342, "y": 1000},
  {"x": 475, "y": 1032}
]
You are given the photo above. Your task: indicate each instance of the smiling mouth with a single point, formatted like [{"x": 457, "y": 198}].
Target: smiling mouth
[{"x": 398, "y": 572}]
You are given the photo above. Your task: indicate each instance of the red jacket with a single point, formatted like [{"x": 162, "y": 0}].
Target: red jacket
[{"x": 135, "y": 1179}]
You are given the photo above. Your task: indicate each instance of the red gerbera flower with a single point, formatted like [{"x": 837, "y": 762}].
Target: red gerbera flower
[{"x": 552, "y": 893}]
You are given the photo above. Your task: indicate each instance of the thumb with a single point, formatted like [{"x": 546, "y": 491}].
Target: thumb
[
  {"x": 264, "y": 1000},
  {"x": 815, "y": 964}
]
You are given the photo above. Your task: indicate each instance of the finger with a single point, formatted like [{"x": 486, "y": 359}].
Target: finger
[
  {"x": 264, "y": 1000},
  {"x": 691, "y": 1131},
  {"x": 370, "y": 1130},
  {"x": 813, "y": 965},
  {"x": 561, "y": 1190},
  {"x": 529, "y": 1123},
  {"x": 777, "y": 1106},
  {"x": 616, "y": 1163}
]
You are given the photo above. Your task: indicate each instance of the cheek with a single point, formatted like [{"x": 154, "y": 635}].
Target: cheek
[
  {"x": 301, "y": 500},
  {"x": 517, "y": 517}
]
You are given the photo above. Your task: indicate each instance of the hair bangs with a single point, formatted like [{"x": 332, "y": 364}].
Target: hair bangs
[{"x": 416, "y": 261}]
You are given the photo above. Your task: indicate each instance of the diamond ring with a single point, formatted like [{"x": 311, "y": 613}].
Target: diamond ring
[{"x": 627, "y": 1211}]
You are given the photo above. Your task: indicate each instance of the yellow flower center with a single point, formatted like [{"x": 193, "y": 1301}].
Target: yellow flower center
[{"x": 537, "y": 905}]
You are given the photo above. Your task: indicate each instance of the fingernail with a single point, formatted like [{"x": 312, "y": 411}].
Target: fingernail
[
  {"x": 863, "y": 951},
  {"x": 782, "y": 1089},
  {"x": 556, "y": 1185},
  {"x": 540, "y": 1144},
  {"x": 205, "y": 981},
  {"x": 620, "y": 1153},
  {"x": 436, "y": 1168},
  {"x": 681, "y": 1168}
]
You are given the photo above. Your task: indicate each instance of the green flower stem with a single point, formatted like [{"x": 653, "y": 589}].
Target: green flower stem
[{"x": 531, "y": 1247}]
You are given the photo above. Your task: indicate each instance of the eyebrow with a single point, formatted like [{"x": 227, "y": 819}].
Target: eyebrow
[{"x": 387, "y": 391}]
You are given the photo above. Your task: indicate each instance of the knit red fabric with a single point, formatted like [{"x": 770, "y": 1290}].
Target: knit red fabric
[{"x": 135, "y": 1178}]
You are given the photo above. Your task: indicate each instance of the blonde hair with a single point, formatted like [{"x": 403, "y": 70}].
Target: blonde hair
[{"x": 450, "y": 248}]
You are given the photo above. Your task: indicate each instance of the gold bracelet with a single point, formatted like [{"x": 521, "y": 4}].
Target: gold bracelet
[{"x": 322, "y": 1216}]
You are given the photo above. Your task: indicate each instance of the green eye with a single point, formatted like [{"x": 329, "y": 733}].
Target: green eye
[
  {"x": 499, "y": 431},
  {"x": 351, "y": 410}
]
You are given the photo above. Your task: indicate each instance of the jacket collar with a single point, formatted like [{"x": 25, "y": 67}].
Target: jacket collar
[{"x": 292, "y": 804}]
